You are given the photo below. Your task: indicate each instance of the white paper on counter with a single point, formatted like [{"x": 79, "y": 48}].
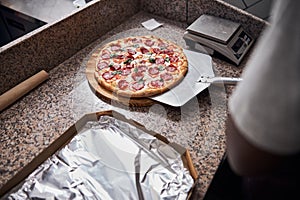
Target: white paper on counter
[{"x": 151, "y": 24}]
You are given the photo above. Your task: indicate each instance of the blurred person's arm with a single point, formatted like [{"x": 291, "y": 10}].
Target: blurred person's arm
[
  {"x": 263, "y": 126},
  {"x": 245, "y": 159}
]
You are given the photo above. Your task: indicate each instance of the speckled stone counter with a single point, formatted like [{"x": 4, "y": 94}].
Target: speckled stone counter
[{"x": 39, "y": 118}]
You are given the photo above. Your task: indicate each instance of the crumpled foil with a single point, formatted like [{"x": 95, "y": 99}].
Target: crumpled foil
[{"x": 109, "y": 159}]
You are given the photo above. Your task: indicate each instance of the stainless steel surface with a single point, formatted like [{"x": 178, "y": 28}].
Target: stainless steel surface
[
  {"x": 47, "y": 11},
  {"x": 109, "y": 159},
  {"x": 199, "y": 65},
  {"x": 14, "y": 24},
  {"x": 220, "y": 80},
  {"x": 213, "y": 28}
]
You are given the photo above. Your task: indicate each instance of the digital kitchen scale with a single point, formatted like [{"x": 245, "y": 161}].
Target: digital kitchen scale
[{"x": 209, "y": 33}]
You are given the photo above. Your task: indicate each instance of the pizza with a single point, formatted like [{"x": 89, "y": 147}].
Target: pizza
[{"x": 140, "y": 66}]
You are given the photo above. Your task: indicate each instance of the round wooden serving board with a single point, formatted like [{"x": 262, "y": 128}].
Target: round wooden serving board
[{"x": 108, "y": 95}]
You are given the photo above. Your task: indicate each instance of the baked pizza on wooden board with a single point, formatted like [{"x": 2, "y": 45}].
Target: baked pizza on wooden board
[{"x": 138, "y": 67}]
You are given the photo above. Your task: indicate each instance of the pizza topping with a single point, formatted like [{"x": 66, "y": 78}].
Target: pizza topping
[
  {"x": 162, "y": 45},
  {"x": 131, "y": 51},
  {"x": 174, "y": 59},
  {"x": 105, "y": 55},
  {"x": 117, "y": 56},
  {"x": 102, "y": 65},
  {"x": 108, "y": 75},
  {"x": 126, "y": 72},
  {"x": 153, "y": 71},
  {"x": 149, "y": 42},
  {"x": 144, "y": 50},
  {"x": 136, "y": 40},
  {"x": 152, "y": 60},
  {"x": 159, "y": 61},
  {"x": 138, "y": 85},
  {"x": 168, "y": 51},
  {"x": 115, "y": 67},
  {"x": 123, "y": 84},
  {"x": 171, "y": 68},
  {"x": 166, "y": 76},
  {"x": 128, "y": 61},
  {"x": 115, "y": 47},
  {"x": 130, "y": 66},
  {"x": 116, "y": 72},
  {"x": 130, "y": 56},
  {"x": 141, "y": 68},
  {"x": 137, "y": 76},
  {"x": 161, "y": 68},
  {"x": 157, "y": 83},
  {"x": 156, "y": 50}
]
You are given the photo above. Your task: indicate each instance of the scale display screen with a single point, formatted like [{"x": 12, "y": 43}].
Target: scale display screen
[{"x": 243, "y": 40}]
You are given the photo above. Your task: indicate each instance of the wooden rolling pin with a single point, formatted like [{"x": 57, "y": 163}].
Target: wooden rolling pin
[{"x": 21, "y": 89}]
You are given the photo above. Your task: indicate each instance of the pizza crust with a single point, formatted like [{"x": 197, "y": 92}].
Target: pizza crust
[{"x": 117, "y": 56}]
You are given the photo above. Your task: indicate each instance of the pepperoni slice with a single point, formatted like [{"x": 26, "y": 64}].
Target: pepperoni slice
[
  {"x": 157, "y": 83},
  {"x": 130, "y": 65},
  {"x": 153, "y": 70},
  {"x": 168, "y": 51},
  {"x": 137, "y": 76},
  {"x": 115, "y": 67},
  {"x": 144, "y": 50},
  {"x": 102, "y": 65},
  {"x": 131, "y": 51},
  {"x": 174, "y": 59},
  {"x": 166, "y": 76},
  {"x": 149, "y": 42},
  {"x": 156, "y": 50},
  {"x": 126, "y": 72},
  {"x": 141, "y": 68},
  {"x": 115, "y": 47},
  {"x": 105, "y": 56},
  {"x": 123, "y": 84},
  {"x": 171, "y": 68},
  {"x": 159, "y": 61},
  {"x": 138, "y": 85},
  {"x": 108, "y": 75},
  {"x": 135, "y": 40},
  {"x": 162, "y": 45}
]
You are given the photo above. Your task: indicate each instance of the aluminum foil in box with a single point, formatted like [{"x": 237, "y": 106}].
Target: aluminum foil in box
[{"x": 109, "y": 159}]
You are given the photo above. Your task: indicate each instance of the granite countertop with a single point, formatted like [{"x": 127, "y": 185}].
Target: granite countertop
[{"x": 39, "y": 118}]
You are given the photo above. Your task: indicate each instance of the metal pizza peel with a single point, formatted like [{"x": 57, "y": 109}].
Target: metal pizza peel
[{"x": 200, "y": 76}]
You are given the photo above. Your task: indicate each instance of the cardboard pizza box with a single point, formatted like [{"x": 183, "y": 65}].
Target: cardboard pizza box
[{"x": 72, "y": 131}]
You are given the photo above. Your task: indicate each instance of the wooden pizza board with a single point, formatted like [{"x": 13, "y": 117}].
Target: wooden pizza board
[{"x": 106, "y": 95}]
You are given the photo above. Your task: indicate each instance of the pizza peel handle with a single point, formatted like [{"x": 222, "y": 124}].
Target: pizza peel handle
[
  {"x": 220, "y": 80},
  {"x": 21, "y": 89}
]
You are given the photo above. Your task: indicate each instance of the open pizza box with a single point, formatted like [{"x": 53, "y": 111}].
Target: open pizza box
[{"x": 105, "y": 155}]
